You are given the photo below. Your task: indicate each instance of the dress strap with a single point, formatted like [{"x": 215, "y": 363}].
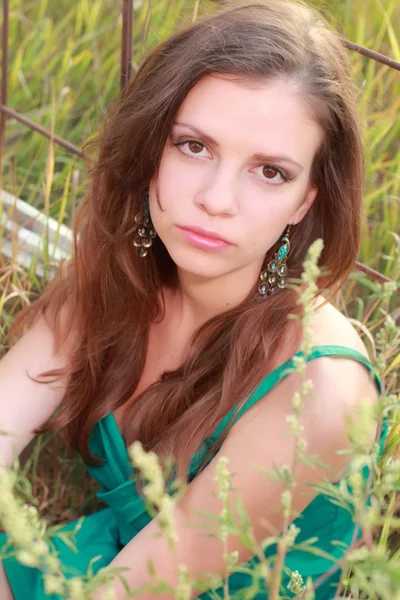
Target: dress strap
[{"x": 283, "y": 371}]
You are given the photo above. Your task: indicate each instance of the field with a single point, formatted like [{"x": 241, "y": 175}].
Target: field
[{"x": 64, "y": 67}]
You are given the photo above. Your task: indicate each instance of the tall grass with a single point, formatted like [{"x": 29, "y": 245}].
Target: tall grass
[{"x": 63, "y": 74}]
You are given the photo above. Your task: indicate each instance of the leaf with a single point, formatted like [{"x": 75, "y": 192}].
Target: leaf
[
  {"x": 393, "y": 365},
  {"x": 243, "y": 516}
]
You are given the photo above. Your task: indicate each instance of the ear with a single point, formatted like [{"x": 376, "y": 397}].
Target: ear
[{"x": 304, "y": 208}]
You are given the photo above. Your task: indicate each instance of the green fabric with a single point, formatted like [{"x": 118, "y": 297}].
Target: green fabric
[{"x": 105, "y": 533}]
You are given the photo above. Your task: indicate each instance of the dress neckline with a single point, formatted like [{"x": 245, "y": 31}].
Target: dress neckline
[{"x": 264, "y": 386}]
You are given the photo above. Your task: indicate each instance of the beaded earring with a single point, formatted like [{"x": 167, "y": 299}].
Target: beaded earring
[
  {"x": 275, "y": 273},
  {"x": 145, "y": 232}
]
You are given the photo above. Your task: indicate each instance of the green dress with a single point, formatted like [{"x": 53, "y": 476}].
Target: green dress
[{"x": 104, "y": 533}]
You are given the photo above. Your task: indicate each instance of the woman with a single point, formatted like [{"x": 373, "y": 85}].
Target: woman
[{"x": 233, "y": 148}]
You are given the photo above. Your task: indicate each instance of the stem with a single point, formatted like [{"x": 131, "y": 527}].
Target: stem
[
  {"x": 353, "y": 544},
  {"x": 371, "y": 311},
  {"x": 226, "y": 586},
  {"x": 276, "y": 576}
]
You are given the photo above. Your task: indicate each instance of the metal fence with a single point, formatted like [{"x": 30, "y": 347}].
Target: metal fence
[{"x": 125, "y": 72}]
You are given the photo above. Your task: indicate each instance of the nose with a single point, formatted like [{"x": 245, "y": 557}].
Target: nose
[{"x": 218, "y": 196}]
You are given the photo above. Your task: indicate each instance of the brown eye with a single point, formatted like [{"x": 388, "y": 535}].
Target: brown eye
[
  {"x": 195, "y": 147},
  {"x": 270, "y": 172}
]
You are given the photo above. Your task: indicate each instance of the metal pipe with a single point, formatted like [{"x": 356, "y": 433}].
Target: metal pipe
[
  {"x": 126, "y": 64},
  {"x": 57, "y": 139},
  {"x": 374, "y": 274},
  {"x": 126, "y": 42},
  {"x": 4, "y": 82},
  {"x": 377, "y": 56}
]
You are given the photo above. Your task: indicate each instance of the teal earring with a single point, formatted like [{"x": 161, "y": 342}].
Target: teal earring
[
  {"x": 275, "y": 274},
  {"x": 145, "y": 232}
]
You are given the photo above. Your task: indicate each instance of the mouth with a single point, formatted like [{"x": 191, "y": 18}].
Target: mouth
[
  {"x": 205, "y": 233},
  {"x": 204, "y": 239}
]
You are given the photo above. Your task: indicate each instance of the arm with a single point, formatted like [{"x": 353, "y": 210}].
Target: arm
[
  {"x": 24, "y": 404},
  {"x": 261, "y": 437}
]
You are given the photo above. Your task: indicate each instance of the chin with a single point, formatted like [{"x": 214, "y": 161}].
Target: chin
[{"x": 206, "y": 265}]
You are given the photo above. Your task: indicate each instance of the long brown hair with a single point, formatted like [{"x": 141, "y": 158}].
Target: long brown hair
[{"x": 112, "y": 294}]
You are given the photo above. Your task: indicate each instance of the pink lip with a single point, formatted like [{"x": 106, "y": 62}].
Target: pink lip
[
  {"x": 205, "y": 233},
  {"x": 205, "y": 242}
]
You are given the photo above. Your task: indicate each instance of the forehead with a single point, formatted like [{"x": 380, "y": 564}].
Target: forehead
[{"x": 252, "y": 115}]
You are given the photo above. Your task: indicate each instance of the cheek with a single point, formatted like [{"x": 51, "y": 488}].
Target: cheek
[
  {"x": 176, "y": 184},
  {"x": 273, "y": 211},
  {"x": 264, "y": 225},
  {"x": 167, "y": 183},
  {"x": 261, "y": 217},
  {"x": 166, "y": 187}
]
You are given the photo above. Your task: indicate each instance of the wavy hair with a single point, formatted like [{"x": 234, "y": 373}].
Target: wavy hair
[{"x": 109, "y": 295}]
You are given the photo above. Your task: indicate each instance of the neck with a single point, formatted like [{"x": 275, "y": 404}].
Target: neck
[{"x": 196, "y": 300}]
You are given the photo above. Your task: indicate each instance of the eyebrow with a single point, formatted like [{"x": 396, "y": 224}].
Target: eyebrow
[{"x": 258, "y": 156}]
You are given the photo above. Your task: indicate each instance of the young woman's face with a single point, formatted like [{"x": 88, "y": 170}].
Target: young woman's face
[{"x": 237, "y": 163}]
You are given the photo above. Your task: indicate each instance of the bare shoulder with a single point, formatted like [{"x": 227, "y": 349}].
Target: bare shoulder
[
  {"x": 346, "y": 376},
  {"x": 339, "y": 377},
  {"x": 339, "y": 386},
  {"x": 330, "y": 326}
]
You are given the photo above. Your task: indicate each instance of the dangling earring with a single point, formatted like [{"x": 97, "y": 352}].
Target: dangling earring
[
  {"x": 145, "y": 232},
  {"x": 275, "y": 274}
]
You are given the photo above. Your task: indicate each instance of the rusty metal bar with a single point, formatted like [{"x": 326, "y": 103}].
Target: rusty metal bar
[
  {"x": 126, "y": 42},
  {"x": 126, "y": 64},
  {"x": 57, "y": 139},
  {"x": 377, "y": 56},
  {"x": 4, "y": 82},
  {"x": 374, "y": 274}
]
